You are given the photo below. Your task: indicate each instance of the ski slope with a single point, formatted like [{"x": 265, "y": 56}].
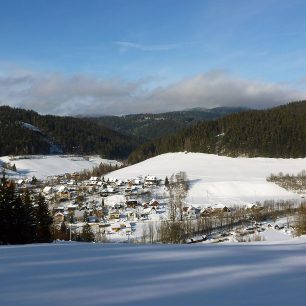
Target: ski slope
[
  {"x": 81, "y": 274},
  {"x": 42, "y": 166},
  {"x": 220, "y": 180}
]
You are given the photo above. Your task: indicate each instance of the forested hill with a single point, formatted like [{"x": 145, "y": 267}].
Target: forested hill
[
  {"x": 152, "y": 126},
  {"x": 276, "y": 132},
  {"x": 27, "y": 132}
]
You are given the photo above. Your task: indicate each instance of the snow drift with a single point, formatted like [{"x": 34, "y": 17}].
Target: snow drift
[{"x": 118, "y": 274}]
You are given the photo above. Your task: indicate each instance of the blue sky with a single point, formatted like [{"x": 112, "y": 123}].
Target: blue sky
[{"x": 150, "y": 55}]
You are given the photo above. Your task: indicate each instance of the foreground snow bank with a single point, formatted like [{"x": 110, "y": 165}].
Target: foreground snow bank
[
  {"x": 96, "y": 274},
  {"x": 220, "y": 179}
]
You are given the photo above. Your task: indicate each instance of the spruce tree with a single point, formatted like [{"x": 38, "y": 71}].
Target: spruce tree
[
  {"x": 63, "y": 234},
  {"x": 43, "y": 220},
  {"x": 22, "y": 229},
  {"x": 6, "y": 211},
  {"x": 17, "y": 219},
  {"x": 85, "y": 216},
  {"x": 166, "y": 182},
  {"x": 29, "y": 221},
  {"x": 87, "y": 234}
]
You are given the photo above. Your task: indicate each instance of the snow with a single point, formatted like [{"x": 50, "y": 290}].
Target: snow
[
  {"x": 221, "y": 180},
  {"x": 112, "y": 200},
  {"x": 30, "y": 127},
  {"x": 42, "y": 166},
  {"x": 275, "y": 235},
  {"x": 261, "y": 273}
]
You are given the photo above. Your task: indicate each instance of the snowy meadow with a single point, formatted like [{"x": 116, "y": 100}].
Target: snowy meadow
[{"x": 122, "y": 274}]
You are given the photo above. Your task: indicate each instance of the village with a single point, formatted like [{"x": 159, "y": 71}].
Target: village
[{"x": 123, "y": 210}]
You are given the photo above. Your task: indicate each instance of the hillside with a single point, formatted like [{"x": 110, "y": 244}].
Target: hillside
[
  {"x": 27, "y": 132},
  {"x": 42, "y": 166},
  {"x": 220, "y": 180},
  {"x": 276, "y": 132},
  {"x": 152, "y": 126}
]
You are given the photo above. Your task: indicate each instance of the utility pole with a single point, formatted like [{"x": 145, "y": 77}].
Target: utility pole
[{"x": 70, "y": 232}]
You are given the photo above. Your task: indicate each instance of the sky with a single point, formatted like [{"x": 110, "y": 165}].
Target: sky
[{"x": 79, "y": 57}]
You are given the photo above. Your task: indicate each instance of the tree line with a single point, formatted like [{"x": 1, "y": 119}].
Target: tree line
[
  {"x": 276, "y": 132},
  {"x": 23, "y": 218},
  {"x": 152, "y": 126},
  {"x": 290, "y": 182},
  {"x": 71, "y": 135}
]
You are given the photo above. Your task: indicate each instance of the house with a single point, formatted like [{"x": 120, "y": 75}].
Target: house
[
  {"x": 128, "y": 190},
  {"x": 58, "y": 209},
  {"x": 71, "y": 207},
  {"x": 111, "y": 190},
  {"x": 92, "y": 219},
  {"x": 47, "y": 190},
  {"x": 127, "y": 215},
  {"x": 150, "y": 180},
  {"x": 71, "y": 182},
  {"x": 108, "y": 190},
  {"x": 226, "y": 209},
  {"x": 191, "y": 212},
  {"x": 146, "y": 212},
  {"x": 279, "y": 226},
  {"x": 59, "y": 217},
  {"x": 114, "y": 215},
  {"x": 116, "y": 227},
  {"x": 62, "y": 188},
  {"x": 133, "y": 226},
  {"x": 20, "y": 182},
  {"x": 154, "y": 203},
  {"x": 120, "y": 183},
  {"x": 119, "y": 206},
  {"x": 64, "y": 195},
  {"x": 131, "y": 203},
  {"x": 137, "y": 182},
  {"x": 93, "y": 180}
]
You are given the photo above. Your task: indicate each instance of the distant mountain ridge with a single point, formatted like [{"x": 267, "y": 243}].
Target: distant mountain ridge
[
  {"x": 27, "y": 132},
  {"x": 152, "y": 126},
  {"x": 276, "y": 132}
]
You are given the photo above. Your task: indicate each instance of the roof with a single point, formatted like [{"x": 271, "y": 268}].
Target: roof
[{"x": 47, "y": 189}]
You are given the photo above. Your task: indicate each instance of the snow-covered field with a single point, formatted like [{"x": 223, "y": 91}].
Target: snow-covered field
[
  {"x": 42, "y": 166},
  {"x": 219, "y": 179},
  {"x": 121, "y": 274},
  {"x": 214, "y": 179}
]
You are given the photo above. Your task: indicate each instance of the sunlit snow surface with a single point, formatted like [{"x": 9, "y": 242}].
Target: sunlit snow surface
[
  {"x": 120, "y": 274},
  {"x": 219, "y": 179},
  {"x": 42, "y": 166}
]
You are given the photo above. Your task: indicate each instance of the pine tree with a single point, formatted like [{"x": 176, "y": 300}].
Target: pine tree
[
  {"x": 87, "y": 234},
  {"x": 43, "y": 220},
  {"x": 85, "y": 216},
  {"x": 17, "y": 220},
  {"x": 166, "y": 182},
  {"x": 29, "y": 212},
  {"x": 6, "y": 211},
  {"x": 63, "y": 234}
]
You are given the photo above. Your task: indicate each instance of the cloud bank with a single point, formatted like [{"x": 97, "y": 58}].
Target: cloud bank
[{"x": 87, "y": 95}]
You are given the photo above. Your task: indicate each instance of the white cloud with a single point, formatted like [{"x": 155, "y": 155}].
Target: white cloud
[
  {"x": 88, "y": 95},
  {"x": 222, "y": 89}
]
